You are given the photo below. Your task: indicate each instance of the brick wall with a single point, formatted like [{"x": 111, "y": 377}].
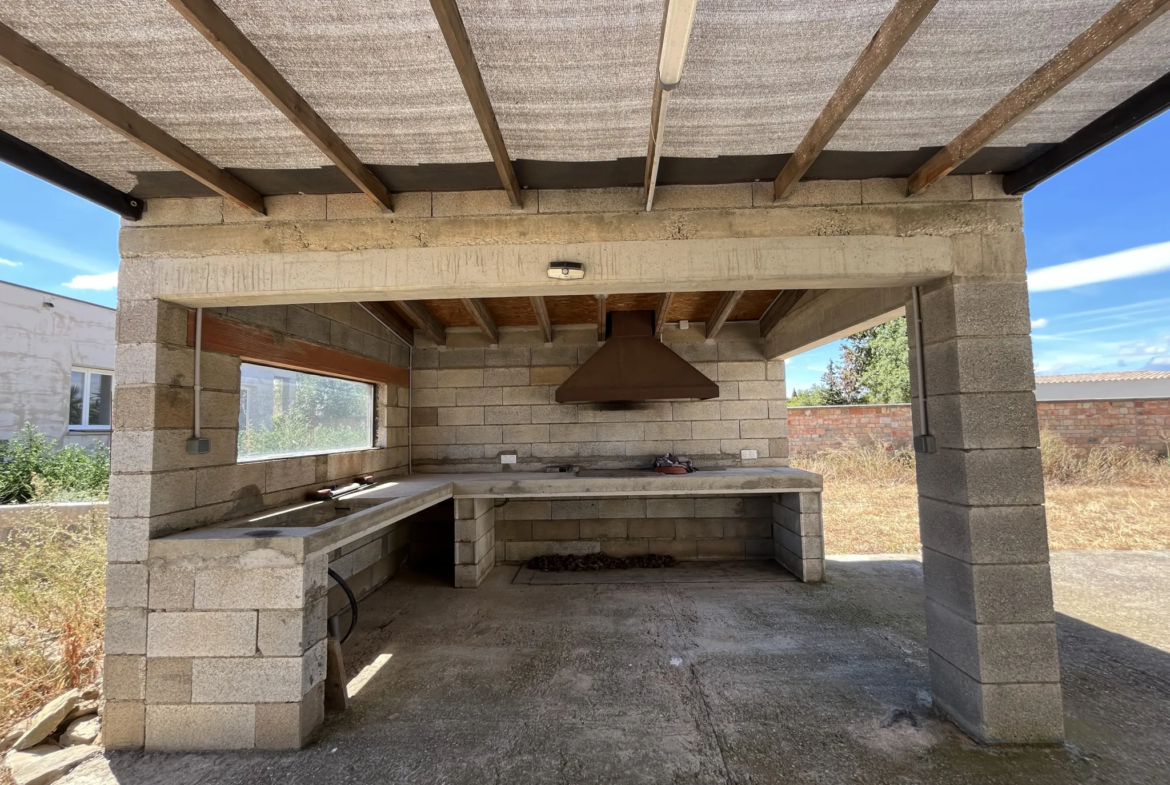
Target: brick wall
[
  {"x": 473, "y": 402},
  {"x": 1143, "y": 424}
]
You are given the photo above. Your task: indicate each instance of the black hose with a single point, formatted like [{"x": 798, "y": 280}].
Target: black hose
[{"x": 352, "y": 604}]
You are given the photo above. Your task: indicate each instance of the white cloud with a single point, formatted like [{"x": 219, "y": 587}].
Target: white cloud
[
  {"x": 8, "y": 263},
  {"x": 1039, "y": 323},
  {"x": 1144, "y": 260},
  {"x": 102, "y": 282},
  {"x": 32, "y": 243}
]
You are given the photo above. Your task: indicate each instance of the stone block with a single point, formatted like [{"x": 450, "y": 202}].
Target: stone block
[
  {"x": 526, "y": 396},
  {"x": 288, "y": 633},
  {"x": 151, "y": 321},
  {"x": 989, "y": 186},
  {"x": 508, "y": 377},
  {"x": 806, "y": 570},
  {"x": 513, "y": 530},
  {"x": 148, "y": 495},
  {"x": 474, "y": 552},
  {"x": 982, "y": 421},
  {"x": 125, "y": 631},
  {"x": 524, "y": 434},
  {"x": 289, "y": 726},
  {"x": 473, "y": 529},
  {"x": 975, "y": 309},
  {"x": 670, "y": 508},
  {"x": 478, "y": 434},
  {"x": 123, "y": 678},
  {"x": 193, "y": 727},
  {"x": 262, "y": 587},
  {"x": 997, "y": 713},
  {"x": 622, "y": 508},
  {"x": 507, "y": 356},
  {"x": 435, "y": 397},
  {"x": 984, "y": 535},
  {"x": 126, "y": 540},
  {"x": 993, "y": 653},
  {"x": 993, "y": 256},
  {"x": 748, "y": 528},
  {"x": 720, "y": 507},
  {"x": 605, "y": 529},
  {"x": 763, "y": 429},
  {"x": 698, "y": 528},
  {"x": 459, "y": 377},
  {"x": 716, "y": 429},
  {"x": 653, "y": 528},
  {"x": 247, "y": 680},
  {"x": 508, "y": 415},
  {"x": 467, "y": 357},
  {"x": 202, "y": 634},
  {"x": 989, "y": 593},
  {"x": 168, "y": 680},
  {"x": 982, "y": 477},
  {"x": 461, "y": 415},
  {"x": 126, "y": 585},
  {"x": 667, "y": 431},
  {"x": 479, "y": 396},
  {"x": 696, "y": 410},
  {"x": 740, "y": 342},
  {"x": 469, "y": 576},
  {"x": 555, "y": 413},
  {"x": 766, "y": 391},
  {"x": 240, "y": 481},
  {"x": 806, "y": 547},
  {"x": 556, "y": 530},
  {"x": 759, "y": 548},
  {"x": 740, "y": 371},
  {"x": 122, "y": 725}
]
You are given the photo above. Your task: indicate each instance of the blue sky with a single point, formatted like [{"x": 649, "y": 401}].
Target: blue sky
[
  {"x": 1093, "y": 307},
  {"x": 1111, "y": 313}
]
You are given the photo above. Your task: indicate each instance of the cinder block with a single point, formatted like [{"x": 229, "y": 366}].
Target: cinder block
[
  {"x": 126, "y": 586},
  {"x": 182, "y": 212},
  {"x": 997, "y": 713},
  {"x": 809, "y": 193},
  {"x": 720, "y": 507},
  {"x": 556, "y": 530},
  {"x": 250, "y": 680},
  {"x": 716, "y": 429},
  {"x": 984, "y": 535},
  {"x": 982, "y": 477},
  {"x": 993, "y": 653},
  {"x": 984, "y": 420},
  {"x": 670, "y": 508},
  {"x": 202, "y": 634},
  {"x": 508, "y": 415},
  {"x": 740, "y": 342},
  {"x": 474, "y": 552},
  {"x": 666, "y": 431},
  {"x": 171, "y": 588},
  {"x": 763, "y": 429},
  {"x": 461, "y": 358},
  {"x": 478, "y": 434},
  {"x": 461, "y": 415},
  {"x": 591, "y": 200},
  {"x": 624, "y": 548},
  {"x": 954, "y": 188},
  {"x": 806, "y": 570},
  {"x": 703, "y": 197},
  {"x": 741, "y": 371},
  {"x": 979, "y": 365},
  {"x": 151, "y": 321},
  {"x": 125, "y": 631},
  {"x": 122, "y": 725},
  {"x": 264, "y": 587},
  {"x": 605, "y": 529},
  {"x": 191, "y": 727},
  {"x": 767, "y": 391},
  {"x": 126, "y": 540},
  {"x": 989, "y": 593},
  {"x": 508, "y": 377},
  {"x": 459, "y": 377},
  {"x": 123, "y": 678},
  {"x": 720, "y": 548},
  {"x": 469, "y": 576},
  {"x": 696, "y": 410},
  {"x": 622, "y": 508},
  {"x": 748, "y": 528},
  {"x": 698, "y": 528},
  {"x": 168, "y": 680},
  {"x": 288, "y": 633},
  {"x": 289, "y": 726},
  {"x": 975, "y": 309},
  {"x": 523, "y": 551},
  {"x": 759, "y": 548},
  {"x": 461, "y": 203}
]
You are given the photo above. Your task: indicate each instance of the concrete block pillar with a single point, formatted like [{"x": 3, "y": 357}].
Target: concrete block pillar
[
  {"x": 989, "y": 613},
  {"x": 475, "y": 541},
  {"x": 798, "y": 536}
]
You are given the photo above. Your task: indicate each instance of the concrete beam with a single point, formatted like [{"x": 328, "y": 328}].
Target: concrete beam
[{"x": 824, "y": 316}]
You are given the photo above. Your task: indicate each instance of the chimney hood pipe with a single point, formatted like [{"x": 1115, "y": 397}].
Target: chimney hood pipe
[{"x": 633, "y": 365}]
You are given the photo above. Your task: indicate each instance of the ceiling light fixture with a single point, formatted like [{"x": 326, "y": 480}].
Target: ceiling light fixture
[
  {"x": 675, "y": 33},
  {"x": 566, "y": 271}
]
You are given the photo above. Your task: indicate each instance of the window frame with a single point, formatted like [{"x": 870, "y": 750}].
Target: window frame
[
  {"x": 85, "y": 399},
  {"x": 373, "y": 412}
]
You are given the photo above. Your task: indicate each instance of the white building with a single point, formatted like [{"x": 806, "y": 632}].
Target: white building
[
  {"x": 1116, "y": 386},
  {"x": 56, "y": 365}
]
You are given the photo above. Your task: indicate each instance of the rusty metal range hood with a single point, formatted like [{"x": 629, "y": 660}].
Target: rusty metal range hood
[{"x": 633, "y": 365}]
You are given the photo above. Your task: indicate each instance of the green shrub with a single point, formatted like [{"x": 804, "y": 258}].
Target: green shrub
[{"x": 32, "y": 469}]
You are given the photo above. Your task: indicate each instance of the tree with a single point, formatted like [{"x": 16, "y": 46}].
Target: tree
[{"x": 872, "y": 368}]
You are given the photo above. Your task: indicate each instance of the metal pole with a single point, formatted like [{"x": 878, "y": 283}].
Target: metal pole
[{"x": 923, "y": 442}]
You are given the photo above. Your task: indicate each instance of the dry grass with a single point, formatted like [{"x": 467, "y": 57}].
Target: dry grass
[
  {"x": 1108, "y": 497},
  {"x": 52, "y": 595}
]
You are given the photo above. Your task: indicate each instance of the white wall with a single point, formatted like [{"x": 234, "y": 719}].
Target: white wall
[
  {"x": 1123, "y": 390},
  {"x": 39, "y": 346}
]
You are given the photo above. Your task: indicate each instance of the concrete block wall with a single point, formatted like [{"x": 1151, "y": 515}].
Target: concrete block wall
[
  {"x": 715, "y": 528},
  {"x": 368, "y": 563},
  {"x": 157, "y": 489},
  {"x": 473, "y": 402}
]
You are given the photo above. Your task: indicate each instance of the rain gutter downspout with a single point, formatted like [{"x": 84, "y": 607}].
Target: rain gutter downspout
[{"x": 923, "y": 442}]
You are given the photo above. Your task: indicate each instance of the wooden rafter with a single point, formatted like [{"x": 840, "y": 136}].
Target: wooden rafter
[
  {"x": 784, "y": 302},
  {"x": 424, "y": 320},
  {"x": 601, "y": 317},
  {"x": 206, "y": 17},
  {"x": 721, "y": 311},
  {"x": 891, "y": 36},
  {"x": 540, "y": 308},
  {"x": 479, "y": 313},
  {"x": 660, "y": 314},
  {"x": 1116, "y": 27},
  {"x": 32, "y": 62},
  {"x": 657, "y": 111},
  {"x": 390, "y": 320},
  {"x": 451, "y": 23}
]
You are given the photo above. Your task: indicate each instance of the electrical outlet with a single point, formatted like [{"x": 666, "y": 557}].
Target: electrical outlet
[
  {"x": 747, "y": 455},
  {"x": 508, "y": 457}
]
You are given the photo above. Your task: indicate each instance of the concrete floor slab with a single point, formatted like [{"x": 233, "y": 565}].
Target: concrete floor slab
[{"x": 713, "y": 682}]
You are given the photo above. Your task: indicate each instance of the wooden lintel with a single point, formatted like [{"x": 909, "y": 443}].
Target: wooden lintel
[
  {"x": 601, "y": 317},
  {"x": 784, "y": 302},
  {"x": 889, "y": 39},
  {"x": 1116, "y": 27},
  {"x": 206, "y": 17},
  {"x": 721, "y": 311},
  {"x": 424, "y": 320},
  {"x": 256, "y": 344},
  {"x": 479, "y": 313},
  {"x": 660, "y": 314},
  {"x": 451, "y": 23},
  {"x": 540, "y": 308},
  {"x": 390, "y": 320},
  {"x": 27, "y": 59}
]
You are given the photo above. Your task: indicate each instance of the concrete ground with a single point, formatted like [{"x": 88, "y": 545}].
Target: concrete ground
[{"x": 736, "y": 680}]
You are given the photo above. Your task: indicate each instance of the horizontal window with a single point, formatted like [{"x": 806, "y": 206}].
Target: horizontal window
[
  {"x": 288, "y": 413},
  {"x": 91, "y": 397}
]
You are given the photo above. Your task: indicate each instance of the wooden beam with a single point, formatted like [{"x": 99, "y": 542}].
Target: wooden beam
[
  {"x": 27, "y": 59},
  {"x": 660, "y": 314},
  {"x": 1144, "y": 105},
  {"x": 1106, "y": 34},
  {"x": 451, "y": 23},
  {"x": 424, "y": 320},
  {"x": 722, "y": 310},
  {"x": 206, "y": 17},
  {"x": 390, "y": 320},
  {"x": 780, "y": 307},
  {"x": 891, "y": 36},
  {"x": 657, "y": 111},
  {"x": 479, "y": 313},
  {"x": 540, "y": 308},
  {"x": 601, "y": 317},
  {"x": 38, "y": 163}
]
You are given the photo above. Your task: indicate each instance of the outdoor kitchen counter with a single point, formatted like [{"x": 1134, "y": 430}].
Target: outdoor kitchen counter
[{"x": 396, "y": 498}]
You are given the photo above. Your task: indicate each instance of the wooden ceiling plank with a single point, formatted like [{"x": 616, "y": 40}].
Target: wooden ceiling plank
[
  {"x": 540, "y": 308},
  {"x": 451, "y": 23},
  {"x": 390, "y": 320},
  {"x": 722, "y": 310},
  {"x": 897, "y": 28},
  {"x": 780, "y": 307},
  {"x": 1114, "y": 28},
  {"x": 479, "y": 313},
  {"x": 206, "y": 17},
  {"x": 601, "y": 317},
  {"x": 27, "y": 59},
  {"x": 663, "y": 310},
  {"x": 424, "y": 320}
]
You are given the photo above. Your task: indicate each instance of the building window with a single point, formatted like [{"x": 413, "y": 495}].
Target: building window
[
  {"x": 287, "y": 413},
  {"x": 91, "y": 395}
]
